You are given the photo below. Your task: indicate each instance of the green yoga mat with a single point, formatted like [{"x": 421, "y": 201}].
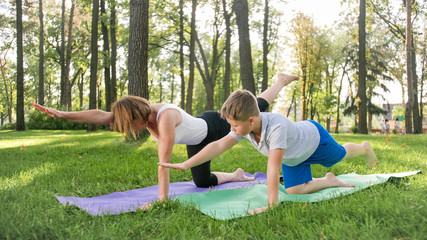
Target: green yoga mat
[{"x": 234, "y": 203}]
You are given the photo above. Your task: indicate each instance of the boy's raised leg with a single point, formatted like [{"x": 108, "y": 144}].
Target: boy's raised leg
[
  {"x": 282, "y": 80},
  {"x": 364, "y": 149}
]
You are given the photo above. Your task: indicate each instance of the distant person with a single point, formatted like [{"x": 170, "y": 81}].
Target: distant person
[
  {"x": 397, "y": 126},
  {"x": 387, "y": 127},
  {"x": 383, "y": 126}
]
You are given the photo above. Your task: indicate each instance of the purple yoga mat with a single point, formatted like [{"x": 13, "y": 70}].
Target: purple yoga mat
[{"x": 129, "y": 201}]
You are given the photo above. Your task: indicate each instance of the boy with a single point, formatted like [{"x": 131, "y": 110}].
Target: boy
[{"x": 294, "y": 146}]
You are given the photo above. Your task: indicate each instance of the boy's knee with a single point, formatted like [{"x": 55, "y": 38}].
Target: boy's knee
[{"x": 292, "y": 190}]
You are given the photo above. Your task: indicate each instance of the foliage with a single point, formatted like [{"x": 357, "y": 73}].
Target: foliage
[
  {"x": 354, "y": 129},
  {"x": 40, "y": 120},
  {"x": 38, "y": 165}
]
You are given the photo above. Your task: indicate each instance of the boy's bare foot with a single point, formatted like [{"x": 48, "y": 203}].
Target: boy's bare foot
[
  {"x": 239, "y": 176},
  {"x": 285, "y": 79},
  {"x": 335, "y": 182},
  {"x": 371, "y": 157}
]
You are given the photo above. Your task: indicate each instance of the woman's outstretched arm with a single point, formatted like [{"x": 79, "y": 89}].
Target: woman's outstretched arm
[{"x": 94, "y": 116}]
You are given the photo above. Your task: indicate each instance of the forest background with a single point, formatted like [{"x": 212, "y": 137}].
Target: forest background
[{"x": 76, "y": 55}]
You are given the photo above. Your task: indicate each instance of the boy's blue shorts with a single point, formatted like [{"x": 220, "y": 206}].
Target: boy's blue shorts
[{"x": 327, "y": 154}]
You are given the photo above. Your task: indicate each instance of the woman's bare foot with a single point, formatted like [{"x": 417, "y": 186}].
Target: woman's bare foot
[
  {"x": 370, "y": 156},
  {"x": 236, "y": 176},
  {"x": 239, "y": 176},
  {"x": 285, "y": 79},
  {"x": 335, "y": 182}
]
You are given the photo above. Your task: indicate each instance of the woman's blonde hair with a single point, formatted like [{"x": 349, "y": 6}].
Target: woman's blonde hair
[{"x": 127, "y": 109}]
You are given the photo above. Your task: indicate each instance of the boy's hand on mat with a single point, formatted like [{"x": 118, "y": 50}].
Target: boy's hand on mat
[
  {"x": 257, "y": 210},
  {"x": 49, "y": 111},
  {"x": 177, "y": 166}
]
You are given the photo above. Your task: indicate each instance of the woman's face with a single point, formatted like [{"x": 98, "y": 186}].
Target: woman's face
[{"x": 139, "y": 124}]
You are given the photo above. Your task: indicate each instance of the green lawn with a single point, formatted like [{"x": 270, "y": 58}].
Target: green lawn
[{"x": 35, "y": 166}]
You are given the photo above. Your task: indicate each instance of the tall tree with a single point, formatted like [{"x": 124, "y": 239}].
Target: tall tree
[
  {"x": 8, "y": 92},
  {"x": 113, "y": 27},
  {"x": 106, "y": 56},
  {"x": 304, "y": 30},
  {"x": 20, "y": 118},
  {"x": 181, "y": 52},
  {"x": 227, "y": 70},
  {"x": 363, "y": 127},
  {"x": 64, "y": 85},
  {"x": 398, "y": 30},
  {"x": 409, "y": 73},
  {"x": 265, "y": 44},
  {"x": 189, "y": 104},
  {"x": 41, "y": 55},
  {"x": 68, "y": 55},
  {"x": 209, "y": 72},
  {"x": 246, "y": 69},
  {"x": 93, "y": 60},
  {"x": 411, "y": 66},
  {"x": 138, "y": 48}
]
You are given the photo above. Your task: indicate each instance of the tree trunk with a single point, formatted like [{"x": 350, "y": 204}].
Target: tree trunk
[
  {"x": 409, "y": 105},
  {"x": 80, "y": 84},
  {"x": 362, "y": 70},
  {"x": 20, "y": 118},
  {"x": 138, "y": 48},
  {"x": 303, "y": 93},
  {"x": 227, "y": 71},
  {"x": 339, "y": 100},
  {"x": 113, "y": 26},
  {"x": 246, "y": 68},
  {"x": 423, "y": 65},
  {"x": 418, "y": 124},
  {"x": 181, "y": 52},
  {"x": 292, "y": 102},
  {"x": 106, "y": 59},
  {"x": 93, "y": 60},
  {"x": 189, "y": 106},
  {"x": 265, "y": 77},
  {"x": 63, "y": 99},
  {"x": 6, "y": 88},
  {"x": 68, "y": 56},
  {"x": 41, "y": 56},
  {"x": 172, "y": 88}
]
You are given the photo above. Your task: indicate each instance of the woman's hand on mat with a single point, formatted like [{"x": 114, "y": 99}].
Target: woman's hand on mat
[
  {"x": 148, "y": 206},
  {"x": 257, "y": 210},
  {"x": 177, "y": 166},
  {"x": 49, "y": 111}
]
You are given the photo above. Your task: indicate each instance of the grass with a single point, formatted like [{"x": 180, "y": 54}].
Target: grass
[{"x": 36, "y": 166}]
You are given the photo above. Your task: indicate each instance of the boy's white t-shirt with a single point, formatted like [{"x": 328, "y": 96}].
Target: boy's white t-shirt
[
  {"x": 299, "y": 139},
  {"x": 191, "y": 131}
]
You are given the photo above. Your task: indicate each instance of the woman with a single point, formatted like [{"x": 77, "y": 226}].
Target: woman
[{"x": 171, "y": 125}]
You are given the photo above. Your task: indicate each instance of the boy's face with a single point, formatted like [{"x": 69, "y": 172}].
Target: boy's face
[{"x": 241, "y": 127}]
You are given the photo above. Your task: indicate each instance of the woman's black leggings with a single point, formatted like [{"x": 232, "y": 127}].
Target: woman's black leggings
[{"x": 217, "y": 129}]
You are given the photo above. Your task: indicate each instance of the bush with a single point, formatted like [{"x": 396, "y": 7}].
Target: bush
[
  {"x": 354, "y": 129},
  {"x": 39, "y": 120},
  {"x": 9, "y": 126}
]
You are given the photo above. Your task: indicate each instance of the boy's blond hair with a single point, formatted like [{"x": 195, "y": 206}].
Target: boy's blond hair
[
  {"x": 240, "y": 106},
  {"x": 127, "y": 109}
]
